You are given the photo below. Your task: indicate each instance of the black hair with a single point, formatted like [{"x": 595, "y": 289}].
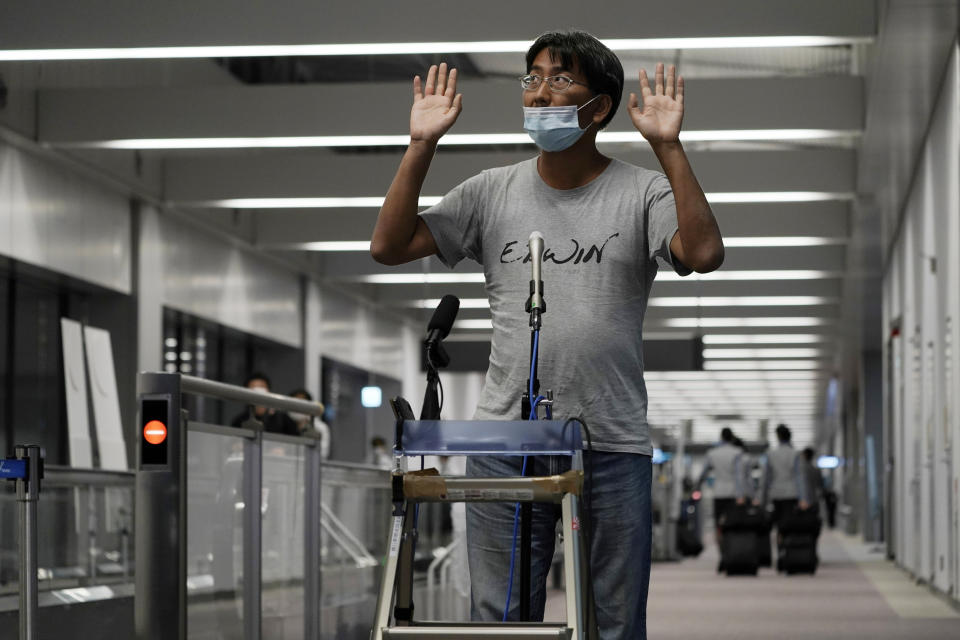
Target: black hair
[
  {"x": 301, "y": 392},
  {"x": 726, "y": 434},
  {"x": 580, "y": 50},
  {"x": 808, "y": 454},
  {"x": 739, "y": 443},
  {"x": 377, "y": 441},
  {"x": 783, "y": 433},
  {"x": 257, "y": 375}
]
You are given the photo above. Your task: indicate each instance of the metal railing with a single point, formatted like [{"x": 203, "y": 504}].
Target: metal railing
[{"x": 248, "y": 540}]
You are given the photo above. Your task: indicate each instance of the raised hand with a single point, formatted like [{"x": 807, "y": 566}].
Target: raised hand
[
  {"x": 660, "y": 117},
  {"x": 435, "y": 106}
]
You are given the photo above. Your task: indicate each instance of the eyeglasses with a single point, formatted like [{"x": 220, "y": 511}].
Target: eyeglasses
[{"x": 556, "y": 84}]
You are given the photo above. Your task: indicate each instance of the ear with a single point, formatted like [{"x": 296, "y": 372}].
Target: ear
[{"x": 604, "y": 104}]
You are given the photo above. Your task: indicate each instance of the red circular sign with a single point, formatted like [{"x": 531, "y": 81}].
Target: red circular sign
[{"x": 155, "y": 432}]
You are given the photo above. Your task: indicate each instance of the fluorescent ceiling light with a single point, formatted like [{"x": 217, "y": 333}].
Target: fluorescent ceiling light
[
  {"x": 754, "y": 338},
  {"x": 740, "y": 301},
  {"x": 347, "y": 245},
  {"x": 745, "y": 322},
  {"x": 421, "y": 278},
  {"x": 450, "y": 139},
  {"x": 715, "y": 365},
  {"x": 465, "y": 303},
  {"x": 412, "y": 48},
  {"x": 373, "y": 202},
  {"x": 782, "y": 241},
  {"x": 680, "y": 377},
  {"x": 722, "y": 274},
  {"x": 762, "y": 353},
  {"x": 474, "y": 324},
  {"x": 427, "y": 201},
  {"x": 775, "y": 196}
]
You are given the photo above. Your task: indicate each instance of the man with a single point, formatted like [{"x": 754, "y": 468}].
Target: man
[
  {"x": 606, "y": 224},
  {"x": 724, "y": 464},
  {"x": 273, "y": 421},
  {"x": 783, "y": 475}
]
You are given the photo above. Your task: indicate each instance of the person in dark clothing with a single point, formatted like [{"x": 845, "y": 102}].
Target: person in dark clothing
[{"x": 273, "y": 421}]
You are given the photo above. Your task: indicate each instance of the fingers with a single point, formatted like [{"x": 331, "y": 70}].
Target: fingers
[
  {"x": 659, "y": 79},
  {"x": 671, "y": 81},
  {"x": 645, "y": 84},
  {"x": 442, "y": 79},
  {"x": 431, "y": 80},
  {"x": 458, "y": 103},
  {"x": 417, "y": 89},
  {"x": 452, "y": 84},
  {"x": 633, "y": 103},
  {"x": 680, "y": 89}
]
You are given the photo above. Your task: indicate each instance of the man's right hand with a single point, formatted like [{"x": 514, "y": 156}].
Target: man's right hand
[{"x": 435, "y": 106}]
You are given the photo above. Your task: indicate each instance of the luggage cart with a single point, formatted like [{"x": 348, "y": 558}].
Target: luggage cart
[{"x": 395, "y": 607}]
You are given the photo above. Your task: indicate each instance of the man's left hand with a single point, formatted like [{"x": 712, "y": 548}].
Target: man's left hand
[{"x": 661, "y": 115}]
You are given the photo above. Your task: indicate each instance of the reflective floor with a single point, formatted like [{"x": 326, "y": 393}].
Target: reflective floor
[{"x": 855, "y": 594}]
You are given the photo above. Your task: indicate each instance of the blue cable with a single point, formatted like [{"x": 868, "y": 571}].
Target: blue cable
[{"x": 516, "y": 510}]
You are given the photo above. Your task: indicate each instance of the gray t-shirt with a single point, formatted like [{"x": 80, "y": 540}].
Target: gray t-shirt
[{"x": 601, "y": 245}]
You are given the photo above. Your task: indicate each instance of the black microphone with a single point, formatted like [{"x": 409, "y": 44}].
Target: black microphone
[{"x": 443, "y": 317}]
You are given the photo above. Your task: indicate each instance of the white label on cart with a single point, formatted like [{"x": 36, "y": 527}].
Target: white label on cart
[
  {"x": 395, "y": 537},
  {"x": 489, "y": 495}
]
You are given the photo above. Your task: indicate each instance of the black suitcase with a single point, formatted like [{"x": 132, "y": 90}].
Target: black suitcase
[
  {"x": 740, "y": 526},
  {"x": 764, "y": 554},
  {"x": 740, "y": 552},
  {"x": 800, "y": 521},
  {"x": 798, "y": 554},
  {"x": 742, "y": 517}
]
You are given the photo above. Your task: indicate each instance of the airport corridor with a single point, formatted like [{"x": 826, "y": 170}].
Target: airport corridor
[{"x": 854, "y": 594}]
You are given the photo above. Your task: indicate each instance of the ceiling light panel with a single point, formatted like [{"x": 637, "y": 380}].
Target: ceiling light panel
[
  {"x": 721, "y": 274},
  {"x": 412, "y": 48},
  {"x": 715, "y": 365},
  {"x": 741, "y": 301},
  {"x": 753, "y": 338},
  {"x": 745, "y": 322},
  {"x": 715, "y": 354},
  {"x": 465, "y": 303},
  {"x": 781, "y": 241},
  {"x": 450, "y": 140},
  {"x": 375, "y": 202}
]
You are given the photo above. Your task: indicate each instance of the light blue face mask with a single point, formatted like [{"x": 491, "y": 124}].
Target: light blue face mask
[{"x": 554, "y": 128}]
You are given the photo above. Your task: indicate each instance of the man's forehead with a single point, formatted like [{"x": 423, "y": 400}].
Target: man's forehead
[{"x": 547, "y": 62}]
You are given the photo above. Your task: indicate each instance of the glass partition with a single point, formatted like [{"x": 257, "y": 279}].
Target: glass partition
[
  {"x": 355, "y": 523},
  {"x": 282, "y": 540},
  {"x": 215, "y": 544},
  {"x": 85, "y": 532}
]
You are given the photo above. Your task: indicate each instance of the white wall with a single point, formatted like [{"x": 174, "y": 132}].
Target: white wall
[
  {"x": 347, "y": 329},
  {"x": 922, "y": 287},
  {"x": 53, "y": 218}
]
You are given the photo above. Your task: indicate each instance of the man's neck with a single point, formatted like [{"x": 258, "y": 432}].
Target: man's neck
[{"x": 573, "y": 167}]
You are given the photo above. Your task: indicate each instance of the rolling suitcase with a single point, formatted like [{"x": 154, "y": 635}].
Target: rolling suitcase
[
  {"x": 798, "y": 532},
  {"x": 740, "y": 552},
  {"x": 798, "y": 554},
  {"x": 740, "y": 526}
]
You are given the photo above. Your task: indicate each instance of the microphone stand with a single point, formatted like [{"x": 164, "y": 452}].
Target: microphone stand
[
  {"x": 437, "y": 359},
  {"x": 536, "y": 307}
]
